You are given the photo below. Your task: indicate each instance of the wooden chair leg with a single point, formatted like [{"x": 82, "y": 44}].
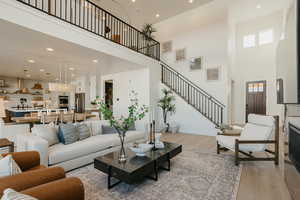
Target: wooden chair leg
[
  {"x": 237, "y": 161},
  {"x": 218, "y": 148}
]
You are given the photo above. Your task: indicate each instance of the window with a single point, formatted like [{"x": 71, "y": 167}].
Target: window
[
  {"x": 249, "y": 41},
  {"x": 266, "y": 37}
]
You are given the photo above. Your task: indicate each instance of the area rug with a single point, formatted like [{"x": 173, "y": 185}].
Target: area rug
[{"x": 195, "y": 175}]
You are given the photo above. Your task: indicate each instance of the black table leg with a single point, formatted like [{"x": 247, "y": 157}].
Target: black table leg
[
  {"x": 169, "y": 164},
  {"x": 155, "y": 178},
  {"x": 109, "y": 185}
]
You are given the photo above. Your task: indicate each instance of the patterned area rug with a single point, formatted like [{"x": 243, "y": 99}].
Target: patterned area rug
[{"x": 194, "y": 175}]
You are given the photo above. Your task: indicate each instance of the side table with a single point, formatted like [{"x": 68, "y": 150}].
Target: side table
[{"x": 6, "y": 143}]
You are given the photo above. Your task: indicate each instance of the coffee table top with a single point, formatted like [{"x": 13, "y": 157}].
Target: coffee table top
[{"x": 134, "y": 162}]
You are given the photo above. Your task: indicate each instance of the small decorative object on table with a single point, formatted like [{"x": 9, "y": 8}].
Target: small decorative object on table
[
  {"x": 141, "y": 149},
  {"x": 123, "y": 124}
]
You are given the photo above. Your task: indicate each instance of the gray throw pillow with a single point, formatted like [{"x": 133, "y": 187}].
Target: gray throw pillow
[
  {"x": 68, "y": 133},
  {"x": 108, "y": 130},
  {"x": 84, "y": 131}
]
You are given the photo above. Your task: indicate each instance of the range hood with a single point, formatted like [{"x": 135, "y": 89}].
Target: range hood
[{"x": 21, "y": 88}]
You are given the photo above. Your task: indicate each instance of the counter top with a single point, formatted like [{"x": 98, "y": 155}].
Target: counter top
[{"x": 32, "y": 110}]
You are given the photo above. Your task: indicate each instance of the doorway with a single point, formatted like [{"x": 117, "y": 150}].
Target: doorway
[
  {"x": 109, "y": 94},
  {"x": 256, "y": 98}
]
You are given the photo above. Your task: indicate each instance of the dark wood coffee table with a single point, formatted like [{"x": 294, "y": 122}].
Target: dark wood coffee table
[{"x": 136, "y": 168}]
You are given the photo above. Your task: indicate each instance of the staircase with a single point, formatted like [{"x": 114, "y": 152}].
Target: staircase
[{"x": 200, "y": 100}]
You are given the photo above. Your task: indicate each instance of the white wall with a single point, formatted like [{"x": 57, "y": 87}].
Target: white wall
[
  {"x": 255, "y": 64},
  {"x": 210, "y": 42},
  {"x": 123, "y": 84}
]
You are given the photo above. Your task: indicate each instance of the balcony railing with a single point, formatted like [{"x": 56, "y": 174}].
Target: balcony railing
[{"x": 92, "y": 18}]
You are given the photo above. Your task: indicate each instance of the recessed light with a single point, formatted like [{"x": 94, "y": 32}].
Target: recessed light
[
  {"x": 28, "y": 75},
  {"x": 95, "y": 61},
  {"x": 191, "y": 1},
  {"x": 31, "y": 61},
  {"x": 71, "y": 68},
  {"x": 49, "y": 49},
  {"x": 42, "y": 70},
  {"x": 133, "y": 1},
  {"x": 258, "y": 6},
  {"x": 157, "y": 15}
]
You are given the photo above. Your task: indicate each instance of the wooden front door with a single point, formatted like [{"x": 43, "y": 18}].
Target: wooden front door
[{"x": 255, "y": 98}]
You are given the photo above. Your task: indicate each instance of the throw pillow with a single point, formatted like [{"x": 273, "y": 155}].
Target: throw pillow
[
  {"x": 10, "y": 194},
  {"x": 68, "y": 133},
  {"x": 108, "y": 130},
  {"x": 8, "y": 166},
  {"x": 83, "y": 130},
  {"x": 47, "y": 133}
]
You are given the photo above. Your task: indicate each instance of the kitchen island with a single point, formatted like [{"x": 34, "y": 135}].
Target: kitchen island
[{"x": 21, "y": 112}]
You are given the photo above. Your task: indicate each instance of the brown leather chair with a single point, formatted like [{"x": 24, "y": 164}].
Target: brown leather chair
[{"x": 41, "y": 182}]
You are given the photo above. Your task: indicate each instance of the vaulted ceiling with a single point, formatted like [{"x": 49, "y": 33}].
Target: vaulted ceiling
[{"x": 139, "y": 12}]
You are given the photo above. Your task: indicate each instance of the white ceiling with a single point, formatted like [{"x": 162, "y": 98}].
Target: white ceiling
[
  {"x": 144, "y": 11},
  {"x": 18, "y": 45}
]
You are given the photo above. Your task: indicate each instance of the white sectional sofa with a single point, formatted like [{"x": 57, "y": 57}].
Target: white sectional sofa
[{"x": 80, "y": 153}]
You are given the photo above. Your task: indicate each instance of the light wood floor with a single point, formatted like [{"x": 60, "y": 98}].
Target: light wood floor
[{"x": 259, "y": 180}]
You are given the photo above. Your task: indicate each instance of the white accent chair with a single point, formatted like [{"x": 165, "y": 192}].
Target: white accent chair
[{"x": 255, "y": 137}]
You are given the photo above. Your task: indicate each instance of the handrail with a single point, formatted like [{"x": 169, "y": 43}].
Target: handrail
[
  {"x": 193, "y": 84},
  {"x": 86, "y": 15}
]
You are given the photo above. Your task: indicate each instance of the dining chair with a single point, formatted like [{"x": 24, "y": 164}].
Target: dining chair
[
  {"x": 67, "y": 118},
  {"x": 47, "y": 119},
  {"x": 79, "y": 117}
]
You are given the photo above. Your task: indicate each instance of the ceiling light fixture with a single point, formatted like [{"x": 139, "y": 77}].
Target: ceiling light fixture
[
  {"x": 258, "y": 6},
  {"x": 95, "y": 61},
  {"x": 31, "y": 61},
  {"x": 191, "y": 1},
  {"x": 157, "y": 15},
  {"x": 42, "y": 70},
  {"x": 49, "y": 49},
  {"x": 133, "y": 1},
  {"x": 28, "y": 75}
]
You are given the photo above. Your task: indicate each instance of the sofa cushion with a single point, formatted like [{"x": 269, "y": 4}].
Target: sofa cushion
[
  {"x": 48, "y": 133},
  {"x": 67, "y": 133},
  {"x": 108, "y": 130},
  {"x": 60, "y": 153},
  {"x": 83, "y": 130},
  {"x": 10, "y": 194},
  {"x": 96, "y": 126},
  {"x": 8, "y": 166}
]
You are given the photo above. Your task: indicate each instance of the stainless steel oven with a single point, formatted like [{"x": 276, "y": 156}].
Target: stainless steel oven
[{"x": 63, "y": 102}]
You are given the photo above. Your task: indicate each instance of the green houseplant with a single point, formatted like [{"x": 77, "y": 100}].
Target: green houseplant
[
  {"x": 167, "y": 105},
  {"x": 122, "y": 124},
  {"x": 148, "y": 31}
]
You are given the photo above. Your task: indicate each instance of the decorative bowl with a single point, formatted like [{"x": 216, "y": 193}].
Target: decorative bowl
[{"x": 141, "y": 149}]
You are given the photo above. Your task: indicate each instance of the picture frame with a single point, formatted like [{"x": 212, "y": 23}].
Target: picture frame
[
  {"x": 167, "y": 47},
  {"x": 196, "y": 63},
  {"x": 180, "y": 55},
  {"x": 213, "y": 74}
]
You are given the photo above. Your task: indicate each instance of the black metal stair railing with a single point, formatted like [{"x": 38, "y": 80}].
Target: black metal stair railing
[
  {"x": 90, "y": 17},
  {"x": 204, "y": 103}
]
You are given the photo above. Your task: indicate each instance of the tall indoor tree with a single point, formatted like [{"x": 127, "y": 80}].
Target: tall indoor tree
[{"x": 167, "y": 105}]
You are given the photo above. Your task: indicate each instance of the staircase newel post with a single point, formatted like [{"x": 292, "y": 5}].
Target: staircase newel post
[{"x": 221, "y": 115}]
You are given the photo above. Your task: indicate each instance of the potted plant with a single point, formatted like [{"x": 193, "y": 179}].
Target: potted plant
[
  {"x": 167, "y": 105},
  {"x": 122, "y": 124},
  {"x": 148, "y": 31}
]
